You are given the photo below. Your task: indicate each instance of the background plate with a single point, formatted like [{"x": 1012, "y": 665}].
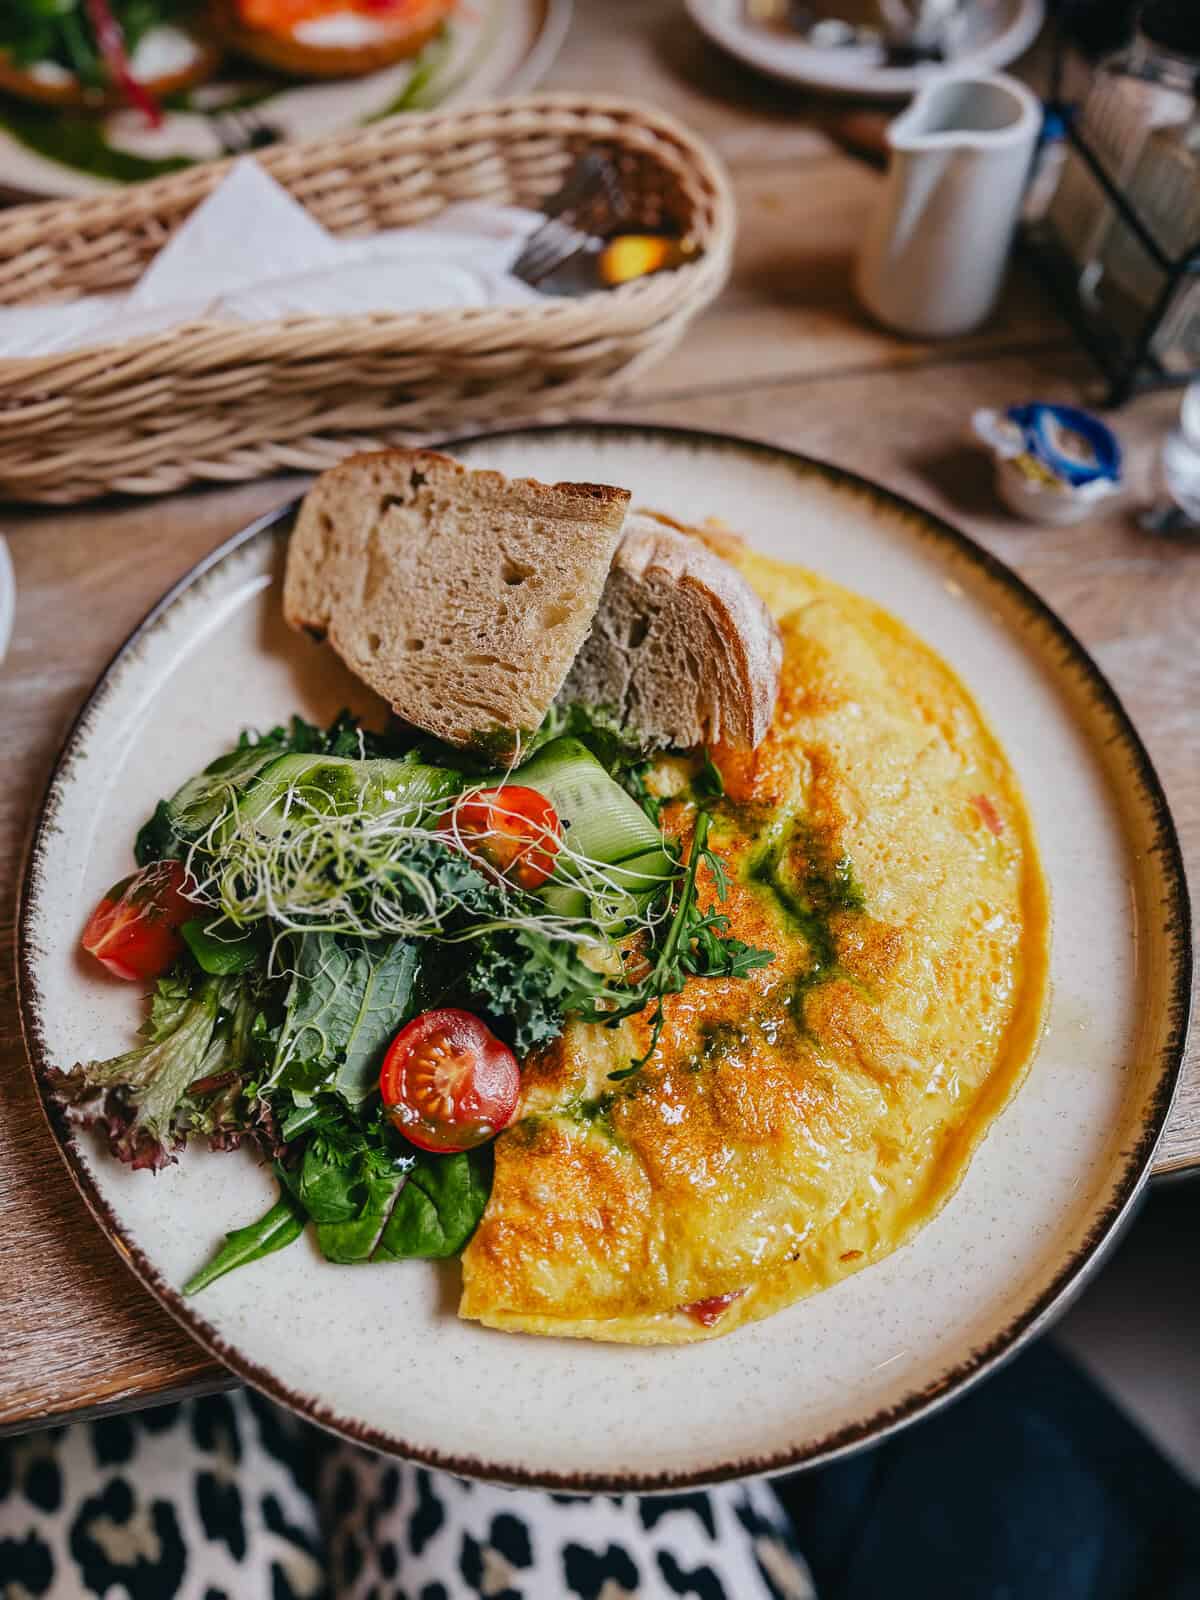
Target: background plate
[
  {"x": 379, "y": 1354},
  {"x": 1005, "y": 30},
  {"x": 494, "y": 47}
]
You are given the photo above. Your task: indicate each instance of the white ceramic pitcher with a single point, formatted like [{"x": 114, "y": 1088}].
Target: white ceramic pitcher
[{"x": 934, "y": 254}]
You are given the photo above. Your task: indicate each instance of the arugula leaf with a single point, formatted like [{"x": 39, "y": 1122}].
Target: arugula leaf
[
  {"x": 708, "y": 784},
  {"x": 697, "y": 944},
  {"x": 281, "y": 1226},
  {"x": 347, "y": 999}
]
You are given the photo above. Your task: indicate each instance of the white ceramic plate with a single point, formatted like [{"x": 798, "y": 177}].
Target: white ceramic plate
[
  {"x": 377, "y": 1352},
  {"x": 1004, "y": 31},
  {"x": 493, "y": 47}
]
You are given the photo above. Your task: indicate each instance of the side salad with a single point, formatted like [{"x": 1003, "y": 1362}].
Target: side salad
[{"x": 355, "y": 939}]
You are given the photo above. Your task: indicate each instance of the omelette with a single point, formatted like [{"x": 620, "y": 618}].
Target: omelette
[{"x": 796, "y": 1125}]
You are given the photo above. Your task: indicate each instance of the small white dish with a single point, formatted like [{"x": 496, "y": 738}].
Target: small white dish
[
  {"x": 1035, "y": 502},
  {"x": 1005, "y": 31},
  {"x": 1053, "y": 464}
]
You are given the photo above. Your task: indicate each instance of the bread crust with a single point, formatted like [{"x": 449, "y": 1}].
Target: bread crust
[
  {"x": 733, "y": 640},
  {"x": 285, "y": 53},
  {"x": 460, "y": 596}
]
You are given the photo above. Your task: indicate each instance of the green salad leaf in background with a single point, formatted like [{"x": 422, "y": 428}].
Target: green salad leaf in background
[{"x": 59, "y": 31}]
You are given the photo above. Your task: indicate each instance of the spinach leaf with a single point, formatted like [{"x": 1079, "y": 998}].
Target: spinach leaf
[
  {"x": 373, "y": 1202},
  {"x": 282, "y": 1225},
  {"x": 156, "y": 838},
  {"x": 338, "y": 1174},
  {"x": 347, "y": 998},
  {"x": 439, "y": 1207},
  {"x": 354, "y": 1238},
  {"x": 221, "y": 957}
]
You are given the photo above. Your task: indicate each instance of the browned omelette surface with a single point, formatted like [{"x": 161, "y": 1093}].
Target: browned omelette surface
[{"x": 795, "y": 1125}]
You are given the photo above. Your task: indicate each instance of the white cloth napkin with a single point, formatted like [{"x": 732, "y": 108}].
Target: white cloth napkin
[{"x": 250, "y": 253}]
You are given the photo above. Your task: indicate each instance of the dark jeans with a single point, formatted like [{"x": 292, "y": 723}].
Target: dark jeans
[{"x": 1032, "y": 1487}]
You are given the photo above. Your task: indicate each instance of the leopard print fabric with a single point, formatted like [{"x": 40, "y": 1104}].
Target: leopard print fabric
[{"x": 231, "y": 1498}]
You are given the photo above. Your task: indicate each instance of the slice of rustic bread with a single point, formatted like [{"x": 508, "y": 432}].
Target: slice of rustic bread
[
  {"x": 461, "y": 597},
  {"x": 681, "y": 649}
]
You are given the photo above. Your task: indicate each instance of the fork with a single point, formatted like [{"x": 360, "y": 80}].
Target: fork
[
  {"x": 590, "y": 184},
  {"x": 548, "y": 248}
]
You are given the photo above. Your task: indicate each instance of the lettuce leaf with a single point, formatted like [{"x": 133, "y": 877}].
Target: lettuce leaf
[
  {"x": 136, "y": 1098},
  {"x": 346, "y": 1001},
  {"x": 202, "y": 1049}
]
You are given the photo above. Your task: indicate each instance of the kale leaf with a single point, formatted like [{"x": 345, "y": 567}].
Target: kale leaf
[{"x": 527, "y": 984}]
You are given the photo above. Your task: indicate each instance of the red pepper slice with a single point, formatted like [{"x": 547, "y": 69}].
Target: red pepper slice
[
  {"x": 111, "y": 42},
  {"x": 708, "y": 1312},
  {"x": 989, "y": 816}
]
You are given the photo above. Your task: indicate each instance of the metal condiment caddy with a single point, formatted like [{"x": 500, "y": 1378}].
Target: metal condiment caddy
[{"x": 1130, "y": 290}]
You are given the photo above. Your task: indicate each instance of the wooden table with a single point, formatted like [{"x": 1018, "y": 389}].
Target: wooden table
[{"x": 785, "y": 356}]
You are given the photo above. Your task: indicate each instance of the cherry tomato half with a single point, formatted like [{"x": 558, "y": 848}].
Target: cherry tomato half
[
  {"x": 134, "y": 931},
  {"x": 448, "y": 1082},
  {"x": 514, "y": 830}
]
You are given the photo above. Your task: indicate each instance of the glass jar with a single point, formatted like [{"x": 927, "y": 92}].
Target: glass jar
[
  {"x": 1140, "y": 121},
  {"x": 1180, "y": 460}
]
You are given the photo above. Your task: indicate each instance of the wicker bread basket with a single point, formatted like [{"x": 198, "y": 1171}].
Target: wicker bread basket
[{"x": 224, "y": 401}]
